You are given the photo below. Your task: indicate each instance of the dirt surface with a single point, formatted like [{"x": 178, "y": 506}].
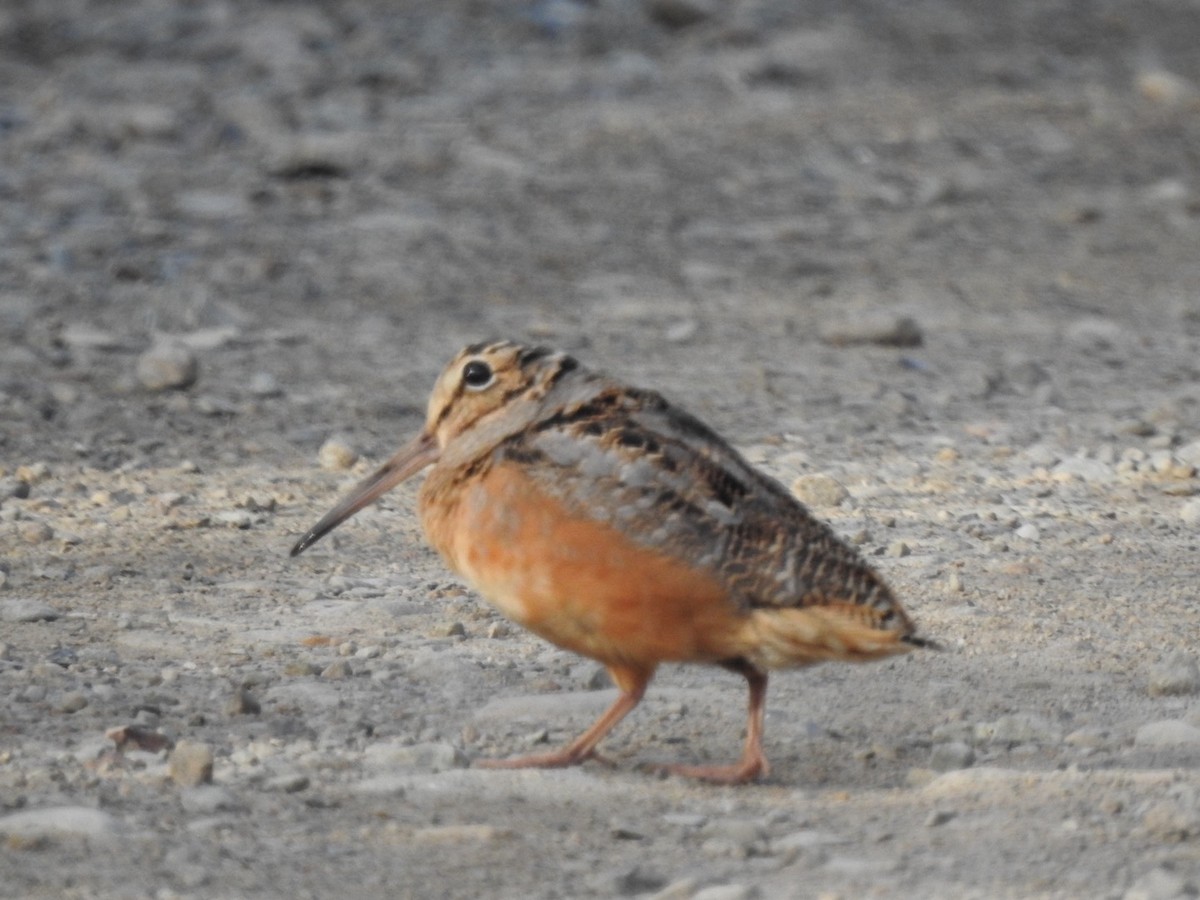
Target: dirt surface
[{"x": 736, "y": 203}]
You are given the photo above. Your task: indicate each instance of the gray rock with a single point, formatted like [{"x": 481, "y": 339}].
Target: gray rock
[{"x": 23, "y": 610}]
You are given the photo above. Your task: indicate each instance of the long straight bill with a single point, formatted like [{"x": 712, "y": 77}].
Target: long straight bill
[{"x": 408, "y": 461}]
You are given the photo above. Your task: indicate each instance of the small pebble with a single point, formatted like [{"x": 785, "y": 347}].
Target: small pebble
[
  {"x": 71, "y": 702},
  {"x": 336, "y": 454},
  {"x": 1028, "y": 532},
  {"x": 234, "y": 518},
  {"x": 63, "y": 656},
  {"x": 448, "y": 629},
  {"x": 337, "y": 670},
  {"x": 288, "y": 783},
  {"x": 263, "y": 384},
  {"x": 897, "y": 548},
  {"x": 819, "y": 490},
  {"x": 243, "y": 703},
  {"x": 1190, "y": 512},
  {"x": 191, "y": 764},
  {"x": 167, "y": 366}
]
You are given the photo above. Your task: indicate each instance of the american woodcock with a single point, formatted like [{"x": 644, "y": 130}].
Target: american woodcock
[{"x": 616, "y": 525}]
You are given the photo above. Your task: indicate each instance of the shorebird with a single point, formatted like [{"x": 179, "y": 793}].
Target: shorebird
[{"x": 614, "y": 524}]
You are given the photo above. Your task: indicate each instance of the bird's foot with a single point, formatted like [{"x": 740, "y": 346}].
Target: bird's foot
[{"x": 741, "y": 772}]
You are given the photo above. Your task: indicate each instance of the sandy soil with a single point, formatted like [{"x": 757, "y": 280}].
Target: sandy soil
[{"x": 735, "y": 203}]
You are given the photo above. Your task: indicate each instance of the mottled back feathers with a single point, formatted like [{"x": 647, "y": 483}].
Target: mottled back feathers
[{"x": 671, "y": 484}]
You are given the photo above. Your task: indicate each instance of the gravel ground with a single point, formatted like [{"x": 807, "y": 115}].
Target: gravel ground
[{"x": 936, "y": 267}]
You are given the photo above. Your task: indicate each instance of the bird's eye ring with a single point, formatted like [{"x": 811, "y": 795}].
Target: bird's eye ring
[{"x": 477, "y": 375}]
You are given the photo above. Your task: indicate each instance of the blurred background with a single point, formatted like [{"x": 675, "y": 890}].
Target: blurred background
[{"x": 228, "y": 228}]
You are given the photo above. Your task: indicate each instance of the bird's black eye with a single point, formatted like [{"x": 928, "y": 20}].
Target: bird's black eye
[{"x": 477, "y": 375}]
